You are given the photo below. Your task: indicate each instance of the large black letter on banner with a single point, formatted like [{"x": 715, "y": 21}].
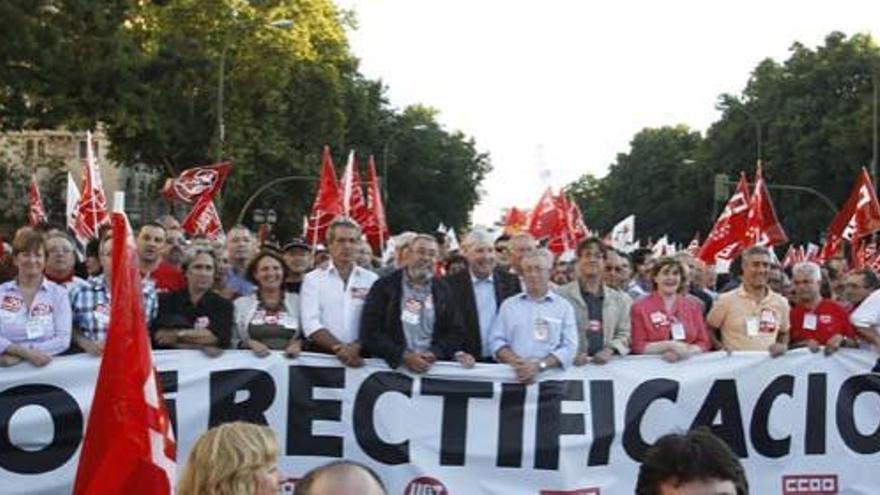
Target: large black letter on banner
[
  {"x": 456, "y": 394},
  {"x": 168, "y": 382},
  {"x": 67, "y": 421},
  {"x": 817, "y": 405},
  {"x": 760, "y": 426},
  {"x": 637, "y": 405},
  {"x": 723, "y": 398},
  {"x": 846, "y": 416},
  {"x": 602, "y": 410},
  {"x": 303, "y": 410},
  {"x": 510, "y": 428},
  {"x": 552, "y": 423},
  {"x": 224, "y": 385},
  {"x": 364, "y": 426}
]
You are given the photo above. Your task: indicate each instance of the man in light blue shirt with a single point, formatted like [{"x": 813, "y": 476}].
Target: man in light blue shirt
[{"x": 535, "y": 330}]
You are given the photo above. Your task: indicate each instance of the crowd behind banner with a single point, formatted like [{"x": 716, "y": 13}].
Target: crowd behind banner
[{"x": 497, "y": 299}]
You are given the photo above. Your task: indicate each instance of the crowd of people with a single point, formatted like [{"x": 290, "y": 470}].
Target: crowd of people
[{"x": 504, "y": 300}]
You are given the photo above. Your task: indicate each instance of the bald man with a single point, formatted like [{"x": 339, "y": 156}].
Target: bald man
[{"x": 340, "y": 478}]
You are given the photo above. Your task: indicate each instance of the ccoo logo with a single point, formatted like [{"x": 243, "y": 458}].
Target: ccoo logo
[{"x": 809, "y": 484}]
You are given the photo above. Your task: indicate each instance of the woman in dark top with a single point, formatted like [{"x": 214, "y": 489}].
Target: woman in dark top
[
  {"x": 195, "y": 317},
  {"x": 268, "y": 319}
]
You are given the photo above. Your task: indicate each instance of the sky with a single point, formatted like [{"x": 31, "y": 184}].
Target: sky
[{"x": 554, "y": 89}]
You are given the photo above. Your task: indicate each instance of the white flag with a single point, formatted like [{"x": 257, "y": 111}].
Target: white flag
[
  {"x": 662, "y": 247},
  {"x": 623, "y": 235},
  {"x": 72, "y": 201},
  {"x": 346, "y": 185}
]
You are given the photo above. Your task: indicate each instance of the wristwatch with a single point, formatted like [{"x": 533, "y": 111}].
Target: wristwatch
[{"x": 542, "y": 365}]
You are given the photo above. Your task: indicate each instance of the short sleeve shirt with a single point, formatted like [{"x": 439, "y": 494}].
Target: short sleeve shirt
[
  {"x": 747, "y": 324},
  {"x": 212, "y": 312}
]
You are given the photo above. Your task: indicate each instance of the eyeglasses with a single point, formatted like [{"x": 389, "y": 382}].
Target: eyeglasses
[{"x": 501, "y": 249}]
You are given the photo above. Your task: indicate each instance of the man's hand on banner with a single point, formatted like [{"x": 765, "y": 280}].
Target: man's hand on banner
[
  {"x": 259, "y": 348},
  {"x": 349, "y": 354},
  {"x": 465, "y": 359},
  {"x": 294, "y": 347},
  {"x": 416, "y": 362}
]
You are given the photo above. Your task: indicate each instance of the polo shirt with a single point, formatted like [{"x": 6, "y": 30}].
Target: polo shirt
[
  {"x": 747, "y": 324},
  {"x": 213, "y": 312},
  {"x": 820, "y": 324}
]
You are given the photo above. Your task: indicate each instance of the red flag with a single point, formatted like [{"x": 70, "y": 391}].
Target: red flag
[
  {"x": 36, "y": 214},
  {"x": 91, "y": 210},
  {"x": 764, "y": 228},
  {"x": 572, "y": 230},
  {"x": 353, "y": 205},
  {"x": 376, "y": 229},
  {"x": 192, "y": 183},
  {"x": 129, "y": 445},
  {"x": 515, "y": 221},
  {"x": 203, "y": 219},
  {"x": 328, "y": 201},
  {"x": 547, "y": 220},
  {"x": 725, "y": 240},
  {"x": 859, "y": 216}
]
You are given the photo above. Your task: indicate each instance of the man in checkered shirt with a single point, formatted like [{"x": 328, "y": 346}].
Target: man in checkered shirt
[{"x": 91, "y": 305}]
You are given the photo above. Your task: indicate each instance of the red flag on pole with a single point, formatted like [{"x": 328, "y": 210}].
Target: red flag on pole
[
  {"x": 859, "y": 216},
  {"x": 764, "y": 228},
  {"x": 515, "y": 221},
  {"x": 203, "y": 219},
  {"x": 328, "y": 201},
  {"x": 36, "y": 213},
  {"x": 129, "y": 444},
  {"x": 547, "y": 220},
  {"x": 195, "y": 182},
  {"x": 91, "y": 210},
  {"x": 725, "y": 240},
  {"x": 353, "y": 205},
  {"x": 376, "y": 229}
]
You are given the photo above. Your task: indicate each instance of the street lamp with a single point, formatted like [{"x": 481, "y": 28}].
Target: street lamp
[
  {"x": 221, "y": 126},
  {"x": 385, "y": 146}
]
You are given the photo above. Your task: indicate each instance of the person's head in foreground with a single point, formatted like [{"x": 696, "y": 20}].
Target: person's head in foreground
[
  {"x": 232, "y": 459},
  {"x": 693, "y": 463},
  {"x": 340, "y": 478}
]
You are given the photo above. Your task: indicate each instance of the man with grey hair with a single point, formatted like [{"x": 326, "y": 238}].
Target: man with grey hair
[
  {"x": 751, "y": 317},
  {"x": 479, "y": 292},
  {"x": 410, "y": 317},
  {"x": 520, "y": 244},
  {"x": 535, "y": 330},
  {"x": 816, "y": 321}
]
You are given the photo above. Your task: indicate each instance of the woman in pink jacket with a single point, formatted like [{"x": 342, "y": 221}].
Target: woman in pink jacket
[{"x": 668, "y": 321}]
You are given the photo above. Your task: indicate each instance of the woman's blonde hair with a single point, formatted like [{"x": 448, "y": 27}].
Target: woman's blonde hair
[{"x": 226, "y": 460}]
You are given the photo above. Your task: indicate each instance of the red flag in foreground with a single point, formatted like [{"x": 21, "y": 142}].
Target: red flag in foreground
[
  {"x": 36, "y": 214},
  {"x": 91, "y": 210},
  {"x": 725, "y": 240},
  {"x": 129, "y": 445},
  {"x": 328, "y": 202},
  {"x": 203, "y": 219},
  {"x": 859, "y": 216},
  {"x": 195, "y": 182},
  {"x": 764, "y": 228},
  {"x": 376, "y": 229}
]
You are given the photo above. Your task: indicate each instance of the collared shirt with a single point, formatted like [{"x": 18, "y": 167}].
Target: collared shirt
[
  {"x": 69, "y": 282},
  {"x": 651, "y": 322},
  {"x": 534, "y": 328},
  {"x": 826, "y": 320},
  {"x": 746, "y": 324},
  {"x": 326, "y": 301},
  {"x": 594, "y": 332},
  {"x": 417, "y": 315},
  {"x": 91, "y": 307},
  {"x": 487, "y": 308},
  {"x": 867, "y": 313},
  {"x": 239, "y": 283},
  {"x": 212, "y": 312},
  {"x": 45, "y": 326}
]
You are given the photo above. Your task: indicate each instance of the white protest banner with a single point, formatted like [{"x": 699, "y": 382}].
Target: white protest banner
[{"x": 801, "y": 422}]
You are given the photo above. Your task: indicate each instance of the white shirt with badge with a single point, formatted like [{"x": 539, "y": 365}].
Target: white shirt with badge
[{"x": 328, "y": 302}]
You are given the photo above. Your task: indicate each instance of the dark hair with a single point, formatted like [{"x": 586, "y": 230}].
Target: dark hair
[
  {"x": 693, "y": 456},
  {"x": 592, "y": 241},
  {"x": 28, "y": 241},
  {"x": 502, "y": 238},
  {"x": 670, "y": 262},
  {"x": 304, "y": 485},
  {"x": 252, "y": 266},
  {"x": 640, "y": 256},
  {"x": 871, "y": 280},
  {"x": 338, "y": 223},
  {"x": 453, "y": 259},
  {"x": 93, "y": 248},
  {"x": 155, "y": 225},
  {"x": 192, "y": 255}
]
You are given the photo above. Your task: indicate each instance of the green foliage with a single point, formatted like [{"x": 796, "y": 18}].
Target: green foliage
[{"x": 814, "y": 115}]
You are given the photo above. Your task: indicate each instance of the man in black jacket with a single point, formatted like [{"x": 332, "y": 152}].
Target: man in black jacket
[
  {"x": 410, "y": 317},
  {"x": 479, "y": 292}
]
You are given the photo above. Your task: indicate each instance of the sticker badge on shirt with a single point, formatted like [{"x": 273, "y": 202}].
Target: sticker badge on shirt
[
  {"x": 677, "y": 331},
  {"x": 412, "y": 312},
  {"x": 658, "y": 318},
  {"x": 359, "y": 293},
  {"x": 11, "y": 304},
  {"x": 594, "y": 326},
  {"x": 102, "y": 313},
  {"x": 259, "y": 317},
  {"x": 768, "y": 321},
  {"x": 41, "y": 309},
  {"x": 542, "y": 329},
  {"x": 825, "y": 319},
  {"x": 202, "y": 322},
  {"x": 810, "y": 321},
  {"x": 271, "y": 318}
]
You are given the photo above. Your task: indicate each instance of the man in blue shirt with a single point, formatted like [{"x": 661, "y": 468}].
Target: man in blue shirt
[{"x": 535, "y": 330}]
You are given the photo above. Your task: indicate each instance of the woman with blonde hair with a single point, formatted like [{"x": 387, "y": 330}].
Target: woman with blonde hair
[{"x": 235, "y": 458}]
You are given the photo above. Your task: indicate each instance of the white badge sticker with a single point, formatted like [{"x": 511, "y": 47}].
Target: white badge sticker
[
  {"x": 412, "y": 312},
  {"x": 35, "y": 327},
  {"x": 677, "y": 331},
  {"x": 542, "y": 329},
  {"x": 752, "y": 326},
  {"x": 810, "y": 321}
]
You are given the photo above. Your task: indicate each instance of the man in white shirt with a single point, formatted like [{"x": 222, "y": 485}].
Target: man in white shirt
[
  {"x": 332, "y": 298},
  {"x": 866, "y": 319}
]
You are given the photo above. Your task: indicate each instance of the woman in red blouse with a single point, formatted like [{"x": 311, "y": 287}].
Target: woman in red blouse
[{"x": 668, "y": 321}]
